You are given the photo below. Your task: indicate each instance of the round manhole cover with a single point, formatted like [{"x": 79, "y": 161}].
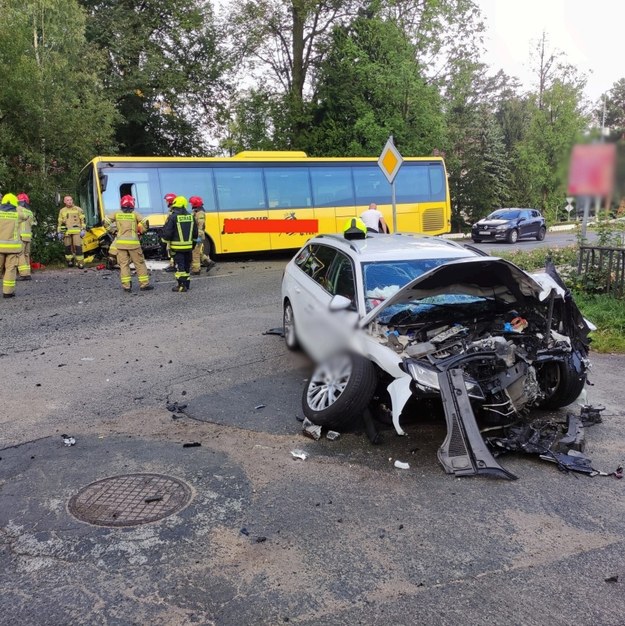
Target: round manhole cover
[{"x": 130, "y": 500}]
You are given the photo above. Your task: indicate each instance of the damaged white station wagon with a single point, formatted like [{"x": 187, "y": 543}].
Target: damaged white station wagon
[{"x": 389, "y": 318}]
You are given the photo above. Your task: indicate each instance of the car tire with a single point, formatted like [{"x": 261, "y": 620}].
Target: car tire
[
  {"x": 512, "y": 236},
  {"x": 339, "y": 390},
  {"x": 542, "y": 231},
  {"x": 562, "y": 381},
  {"x": 288, "y": 327}
]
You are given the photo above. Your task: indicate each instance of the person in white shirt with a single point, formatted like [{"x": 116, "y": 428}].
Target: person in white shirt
[{"x": 374, "y": 220}]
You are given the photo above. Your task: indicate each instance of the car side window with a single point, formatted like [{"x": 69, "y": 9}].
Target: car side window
[
  {"x": 342, "y": 279},
  {"x": 302, "y": 257},
  {"x": 318, "y": 263}
]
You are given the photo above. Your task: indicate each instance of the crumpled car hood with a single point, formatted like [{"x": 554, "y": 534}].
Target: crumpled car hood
[{"x": 480, "y": 276}]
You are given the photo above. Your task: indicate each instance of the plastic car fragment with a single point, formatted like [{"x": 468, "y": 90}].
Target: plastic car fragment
[
  {"x": 463, "y": 452},
  {"x": 573, "y": 461}
]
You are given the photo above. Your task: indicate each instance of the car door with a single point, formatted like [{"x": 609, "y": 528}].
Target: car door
[
  {"x": 525, "y": 224},
  {"x": 312, "y": 297}
]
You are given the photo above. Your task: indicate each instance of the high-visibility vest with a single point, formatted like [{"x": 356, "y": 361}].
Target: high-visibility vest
[{"x": 184, "y": 228}]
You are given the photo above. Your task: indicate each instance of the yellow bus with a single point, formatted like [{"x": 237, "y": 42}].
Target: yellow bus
[{"x": 257, "y": 201}]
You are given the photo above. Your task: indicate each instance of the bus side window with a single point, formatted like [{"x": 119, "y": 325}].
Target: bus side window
[
  {"x": 140, "y": 192},
  {"x": 288, "y": 188},
  {"x": 240, "y": 189},
  {"x": 332, "y": 186}
]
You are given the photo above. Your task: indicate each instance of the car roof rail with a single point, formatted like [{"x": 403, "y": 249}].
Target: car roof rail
[{"x": 342, "y": 240}]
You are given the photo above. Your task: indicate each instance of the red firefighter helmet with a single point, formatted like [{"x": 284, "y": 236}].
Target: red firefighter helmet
[
  {"x": 196, "y": 202},
  {"x": 22, "y": 197},
  {"x": 127, "y": 202},
  {"x": 169, "y": 198}
]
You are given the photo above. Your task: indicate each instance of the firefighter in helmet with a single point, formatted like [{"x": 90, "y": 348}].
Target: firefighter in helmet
[
  {"x": 181, "y": 232},
  {"x": 71, "y": 230},
  {"x": 26, "y": 229},
  {"x": 199, "y": 256},
  {"x": 169, "y": 198},
  {"x": 11, "y": 216},
  {"x": 130, "y": 226}
]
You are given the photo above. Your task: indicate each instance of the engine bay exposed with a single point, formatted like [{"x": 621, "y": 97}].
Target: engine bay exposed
[{"x": 501, "y": 354}]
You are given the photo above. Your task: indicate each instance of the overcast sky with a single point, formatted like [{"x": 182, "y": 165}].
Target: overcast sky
[{"x": 590, "y": 33}]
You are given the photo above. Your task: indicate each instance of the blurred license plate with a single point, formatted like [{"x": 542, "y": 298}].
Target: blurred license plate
[{"x": 485, "y": 232}]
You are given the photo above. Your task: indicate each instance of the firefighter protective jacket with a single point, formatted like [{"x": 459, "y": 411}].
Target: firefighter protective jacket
[
  {"x": 26, "y": 227},
  {"x": 10, "y": 224},
  {"x": 71, "y": 220},
  {"x": 130, "y": 225},
  {"x": 180, "y": 230},
  {"x": 200, "y": 220}
]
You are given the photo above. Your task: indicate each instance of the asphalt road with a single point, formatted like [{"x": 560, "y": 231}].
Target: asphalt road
[{"x": 341, "y": 538}]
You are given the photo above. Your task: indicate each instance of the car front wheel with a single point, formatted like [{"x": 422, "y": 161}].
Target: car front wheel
[
  {"x": 288, "y": 326},
  {"x": 339, "y": 390},
  {"x": 561, "y": 382},
  {"x": 541, "y": 233},
  {"x": 513, "y": 236}
]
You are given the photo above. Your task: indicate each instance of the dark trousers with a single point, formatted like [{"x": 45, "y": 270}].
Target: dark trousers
[{"x": 182, "y": 261}]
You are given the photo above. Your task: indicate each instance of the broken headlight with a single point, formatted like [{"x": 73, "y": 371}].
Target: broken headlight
[{"x": 426, "y": 378}]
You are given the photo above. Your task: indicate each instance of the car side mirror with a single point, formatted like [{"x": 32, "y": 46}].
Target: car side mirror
[{"x": 340, "y": 303}]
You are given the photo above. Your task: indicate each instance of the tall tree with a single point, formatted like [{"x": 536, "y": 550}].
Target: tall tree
[
  {"x": 53, "y": 114},
  {"x": 557, "y": 119},
  {"x": 614, "y": 110},
  {"x": 368, "y": 87},
  {"x": 165, "y": 71}
]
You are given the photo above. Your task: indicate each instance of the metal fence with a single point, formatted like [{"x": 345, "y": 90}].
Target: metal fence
[{"x": 603, "y": 268}]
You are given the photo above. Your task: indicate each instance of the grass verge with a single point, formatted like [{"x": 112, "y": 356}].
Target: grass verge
[{"x": 605, "y": 312}]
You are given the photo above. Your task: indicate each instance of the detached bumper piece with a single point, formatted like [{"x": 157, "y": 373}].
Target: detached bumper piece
[{"x": 464, "y": 452}]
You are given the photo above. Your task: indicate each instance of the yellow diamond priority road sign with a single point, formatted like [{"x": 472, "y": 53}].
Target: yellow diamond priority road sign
[{"x": 390, "y": 160}]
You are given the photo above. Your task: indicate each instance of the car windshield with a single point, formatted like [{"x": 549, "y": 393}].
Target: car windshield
[
  {"x": 384, "y": 278},
  {"x": 441, "y": 307},
  {"x": 504, "y": 214}
]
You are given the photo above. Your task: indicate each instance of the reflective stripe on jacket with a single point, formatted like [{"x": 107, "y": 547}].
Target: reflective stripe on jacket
[
  {"x": 180, "y": 230},
  {"x": 10, "y": 218},
  {"x": 26, "y": 225},
  {"x": 71, "y": 220},
  {"x": 127, "y": 229}
]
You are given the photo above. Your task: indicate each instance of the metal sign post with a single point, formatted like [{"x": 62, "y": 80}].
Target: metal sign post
[{"x": 389, "y": 162}]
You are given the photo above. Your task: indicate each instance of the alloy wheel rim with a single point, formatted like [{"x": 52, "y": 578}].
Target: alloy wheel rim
[{"x": 328, "y": 382}]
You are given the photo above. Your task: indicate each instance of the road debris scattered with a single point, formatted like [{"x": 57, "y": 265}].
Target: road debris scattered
[
  {"x": 275, "y": 331},
  {"x": 245, "y": 531},
  {"x": 299, "y": 454},
  {"x": 612, "y": 579},
  {"x": 332, "y": 435},
  {"x": 617, "y": 473},
  {"x": 68, "y": 440},
  {"x": 261, "y": 539},
  {"x": 192, "y": 444},
  {"x": 259, "y": 406},
  {"x": 174, "y": 407},
  {"x": 311, "y": 430},
  {"x": 153, "y": 499},
  {"x": 401, "y": 465}
]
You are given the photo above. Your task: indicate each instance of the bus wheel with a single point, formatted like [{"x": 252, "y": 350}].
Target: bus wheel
[{"x": 209, "y": 248}]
